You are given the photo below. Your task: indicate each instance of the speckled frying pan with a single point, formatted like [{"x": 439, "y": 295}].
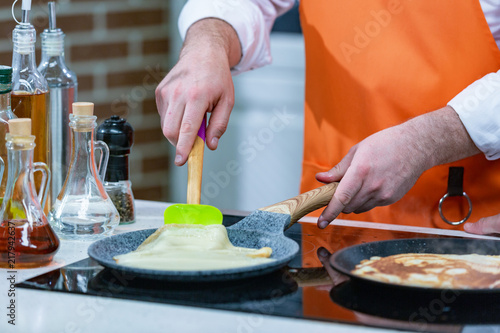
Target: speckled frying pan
[{"x": 263, "y": 227}]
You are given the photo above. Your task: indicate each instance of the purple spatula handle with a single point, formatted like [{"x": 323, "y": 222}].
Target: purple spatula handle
[{"x": 203, "y": 128}]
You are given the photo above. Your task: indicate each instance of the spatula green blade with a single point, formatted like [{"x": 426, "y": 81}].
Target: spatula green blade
[{"x": 192, "y": 214}]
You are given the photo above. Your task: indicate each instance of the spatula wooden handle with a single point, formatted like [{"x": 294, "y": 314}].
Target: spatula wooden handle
[
  {"x": 195, "y": 171},
  {"x": 301, "y": 205}
]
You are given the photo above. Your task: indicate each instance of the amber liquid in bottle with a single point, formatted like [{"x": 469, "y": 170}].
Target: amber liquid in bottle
[
  {"x": 18, "y": 250},
  {"x": 35, "y": 106}
]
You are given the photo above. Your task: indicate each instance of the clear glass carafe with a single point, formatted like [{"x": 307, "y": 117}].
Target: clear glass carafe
[
  {"x": 83, "y": 209},
  {"x": 26, "y": 238}
]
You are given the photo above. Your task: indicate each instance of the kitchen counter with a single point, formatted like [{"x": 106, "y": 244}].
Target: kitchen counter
[{"x": 44, "y": 311}]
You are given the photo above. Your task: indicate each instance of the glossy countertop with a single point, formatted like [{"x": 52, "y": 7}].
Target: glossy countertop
[{"x": 43, "y": 311}]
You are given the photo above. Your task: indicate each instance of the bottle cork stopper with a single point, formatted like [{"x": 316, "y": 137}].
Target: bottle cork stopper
[
  {"x": 20, "y": 126},
  {"x": 83, "y": 109}
]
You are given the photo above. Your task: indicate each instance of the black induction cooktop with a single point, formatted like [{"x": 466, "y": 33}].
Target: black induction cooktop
[{"x": 307, "y": 288}]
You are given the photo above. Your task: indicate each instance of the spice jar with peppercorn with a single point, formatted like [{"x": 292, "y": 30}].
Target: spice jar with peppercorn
[{"x": 118, "y": 134}]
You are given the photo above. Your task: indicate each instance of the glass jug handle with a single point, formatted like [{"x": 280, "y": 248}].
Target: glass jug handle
[
  {"x": 2, "y": 168},
  {"x": 44, "y": 189},
  {"x": 103, "y": 160}
]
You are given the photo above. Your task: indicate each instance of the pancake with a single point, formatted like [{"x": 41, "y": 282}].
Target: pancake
[
  {"x": 447, "y": 271},
  {"x": 193, "y": 247}
]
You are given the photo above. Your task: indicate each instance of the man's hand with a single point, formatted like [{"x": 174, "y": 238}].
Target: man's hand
[
  {"x": 200, "y": 82},
  {"x": 379, "y": 170},
  {"x": 485, "y": 226}
]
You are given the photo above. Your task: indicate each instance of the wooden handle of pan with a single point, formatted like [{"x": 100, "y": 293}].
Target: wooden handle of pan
[
  {"x": 195, "y": 171},
  {"x": 301, "y": 205}
]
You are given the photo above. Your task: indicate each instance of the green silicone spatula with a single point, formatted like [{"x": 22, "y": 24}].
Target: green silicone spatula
[{"x": 193, "y": 212}]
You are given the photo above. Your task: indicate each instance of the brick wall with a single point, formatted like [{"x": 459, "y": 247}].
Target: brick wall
[{"x": 119, "y": 50}]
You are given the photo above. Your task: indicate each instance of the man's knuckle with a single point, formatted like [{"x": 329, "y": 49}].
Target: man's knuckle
[
  {"x": 348, "y": 210},
  {"x": 169, "y": 132},
  {"x": 187, "y": 126},
  {"x": 363, "y": 169},
  {"x": 176, "y": 93},
  {"x": 386, "y": 197},
  {"x": 158, "y": 92},
  {"x": 220, "y": 128},
  {"x": 194, "y": 94},
  {"x": 229, "y": 100},
  {"x": 337, "y": 168},
  {"x": 344, "y": 197}
]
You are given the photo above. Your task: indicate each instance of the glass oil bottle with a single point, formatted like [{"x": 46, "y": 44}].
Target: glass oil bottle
[
  {"x": 30, "y": 93},
  {"x": 63, "y": 85},
  {"x": 83, "y": 210},
  {"x": 5, "y": 115},
  {"x": 26, "y": 238}
]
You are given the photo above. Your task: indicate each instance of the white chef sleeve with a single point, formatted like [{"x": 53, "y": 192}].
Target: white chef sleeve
[
  {"x": 251, "y": 19},
  {"x": 478, "y": 107}
]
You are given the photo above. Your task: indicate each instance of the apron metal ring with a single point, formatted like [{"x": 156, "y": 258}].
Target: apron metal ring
[{"x": 457, "y": 222}]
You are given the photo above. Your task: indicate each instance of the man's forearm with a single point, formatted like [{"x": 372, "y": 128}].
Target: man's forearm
[
  {"x": 213, "y": 33},
  {"x": 441, "y": 137}
]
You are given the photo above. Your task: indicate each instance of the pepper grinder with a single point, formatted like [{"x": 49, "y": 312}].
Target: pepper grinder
[{"x": 118, "y": 134}]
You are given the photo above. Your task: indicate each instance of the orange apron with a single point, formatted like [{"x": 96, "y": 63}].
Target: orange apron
[{"x": 372, "y": 64}]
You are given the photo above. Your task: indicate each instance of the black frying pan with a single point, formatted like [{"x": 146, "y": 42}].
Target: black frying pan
[
  {"x": 346, "y": 259},
  {"x": 263, "y": 227}
]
